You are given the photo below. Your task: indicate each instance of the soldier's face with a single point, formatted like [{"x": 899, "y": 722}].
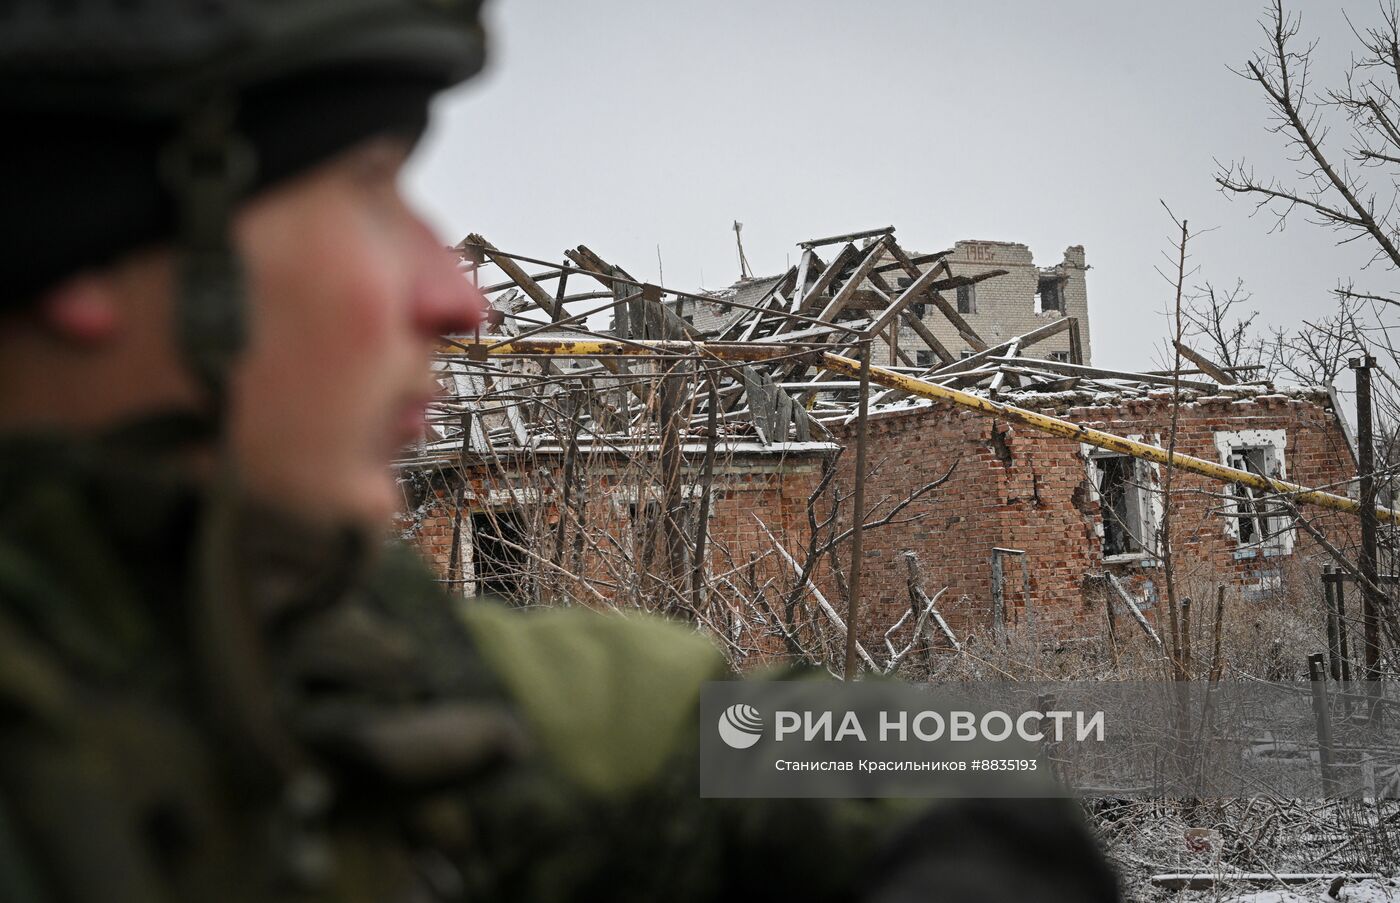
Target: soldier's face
[{"x": 349, "y": 291}]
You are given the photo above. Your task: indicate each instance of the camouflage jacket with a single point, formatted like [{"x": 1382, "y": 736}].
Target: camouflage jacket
[{"x": 346, "y": 735}]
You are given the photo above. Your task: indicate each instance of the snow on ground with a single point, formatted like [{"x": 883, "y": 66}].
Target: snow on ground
[{"x": 1364, "y": 891}]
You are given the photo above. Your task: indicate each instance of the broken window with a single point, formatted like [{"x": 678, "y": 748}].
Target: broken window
[
  {"x": 920, "y": 309},
  {"x": 498, "y": 554},
  {"x": 964, "y": 355},
  {"x": 1061, "y": 356},
  {"x": 1049, "y": 294},
  {"x": 1256, "y": 521},
  {"x": 967, "y": 299},
  {"x": 1124, "y": 489},
  {"x": 923, "y": 358}
]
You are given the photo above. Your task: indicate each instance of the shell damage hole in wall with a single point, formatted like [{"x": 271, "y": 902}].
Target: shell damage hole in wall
[{"x": 1000, "y": 447}]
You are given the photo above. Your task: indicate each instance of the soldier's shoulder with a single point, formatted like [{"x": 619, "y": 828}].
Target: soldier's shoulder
[
  {"x": 607, "y": 699},
  {"x": 610, "y": 697}
]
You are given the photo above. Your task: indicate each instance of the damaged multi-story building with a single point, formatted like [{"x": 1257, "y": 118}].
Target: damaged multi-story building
[
  {"x": 1022, "y": 298},
  {"x": 699, "y": 456}
]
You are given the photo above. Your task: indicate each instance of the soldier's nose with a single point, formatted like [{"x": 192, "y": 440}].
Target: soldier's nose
[{"x": 444, "y": 301}]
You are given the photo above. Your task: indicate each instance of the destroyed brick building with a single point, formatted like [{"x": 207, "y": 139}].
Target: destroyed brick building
[
  {"x": 1031, "y": 527},
  {"x": 699, "y": 459}
]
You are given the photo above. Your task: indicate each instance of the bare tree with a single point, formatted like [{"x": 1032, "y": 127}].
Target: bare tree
[
  {"x": 1345, "y": 140},
  {"x": 1348, "y": 188},
  {"x": 1212, "y": 320}
]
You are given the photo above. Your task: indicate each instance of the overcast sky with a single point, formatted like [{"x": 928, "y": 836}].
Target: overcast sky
[{"x": 628, "y": 124}]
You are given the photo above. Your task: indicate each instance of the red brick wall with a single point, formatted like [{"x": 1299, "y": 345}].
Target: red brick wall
[
  {"x": 772, "y": 488},
  {"x": 1012, "y": 487},
  {"x": 1017, "y": 488}
]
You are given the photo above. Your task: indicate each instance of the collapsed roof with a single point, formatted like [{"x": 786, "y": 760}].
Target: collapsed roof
[{"x": 847, "y": 292}]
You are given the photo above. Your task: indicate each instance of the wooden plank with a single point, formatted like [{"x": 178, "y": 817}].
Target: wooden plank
[
  {"x": 814, "y": 331},
  {"x": 921, "y": 260},
  {"x": 1133, "y": 608},
  {"x": 473, "y": 384},
  {"x": 602, "y": 271},
  {"x": 827, "y": 276},
  {"x": 974, "y": 361},
  {"x": 843, "y": 296},
  {"x": 911, "y": 294},
  {"x": 559, "y": 295},
  {"x": 801, "y": 423},
  {"x": 1076, "y": 345},
  {"x": 849, "y": 236},
  {"x": 923, "y": 284},
  {"x": 777, "y": 426},
  {"x": 1208, "y": 367},
  {"x": 1209, "y": 880},
  {"x": 775, "y": 301},
  {"x": 758, "y": 407},
  {"x": 808, "y": 260},
  {"x": 962, "y": 326},
  {"x": 1039, "y": 334},
  {"x": 1000, "y": 376},
  {"x": 1065, "y": 369},
  {"x": 915, "y": 323},
  {"x": 517, "y": 274},
  {"x": 748, "y": 318}
]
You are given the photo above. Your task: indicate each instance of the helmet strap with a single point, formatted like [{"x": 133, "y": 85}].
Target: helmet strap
[{"x": 208, "y": 168}]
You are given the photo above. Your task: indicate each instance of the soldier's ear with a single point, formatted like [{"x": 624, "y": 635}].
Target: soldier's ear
[{"x": 82, "y": 310}]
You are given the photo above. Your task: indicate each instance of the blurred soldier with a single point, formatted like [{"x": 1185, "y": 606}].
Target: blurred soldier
[{"x": 216, "y": 682}]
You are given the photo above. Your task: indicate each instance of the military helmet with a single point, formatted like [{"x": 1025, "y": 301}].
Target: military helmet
[
  {"x": 135, "y": 122},
  {"x": 157, "y": 57}
]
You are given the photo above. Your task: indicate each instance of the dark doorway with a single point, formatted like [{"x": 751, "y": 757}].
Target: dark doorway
[{"x": 498, "y": 559}]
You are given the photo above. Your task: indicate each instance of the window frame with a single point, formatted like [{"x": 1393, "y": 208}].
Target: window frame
[
  {"x": 1148, "y": 476},
  {"x": 971, "y": 293},
  {"x": 1059, "y": 283},
  {"x": 504, "y": 574},
  {"x": 1273, "y": 444}
]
